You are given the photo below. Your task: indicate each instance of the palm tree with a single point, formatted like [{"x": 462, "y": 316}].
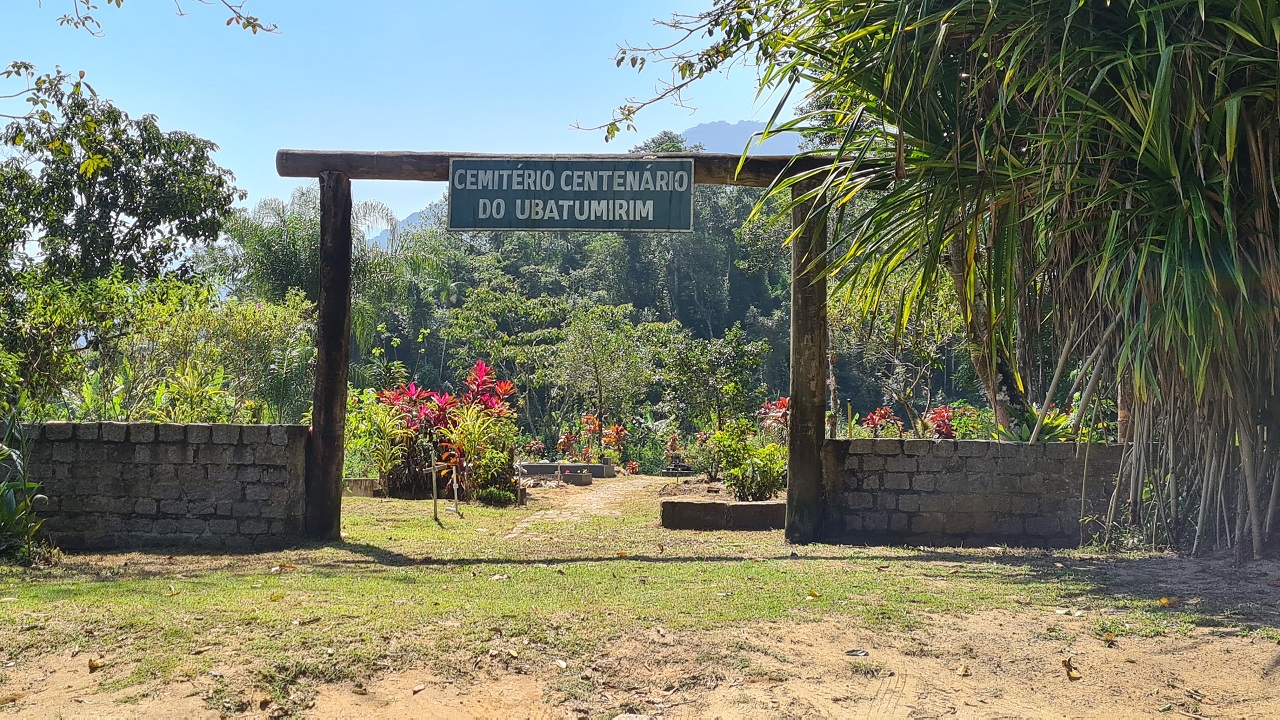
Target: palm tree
[{"x": 1097, "y": 179}]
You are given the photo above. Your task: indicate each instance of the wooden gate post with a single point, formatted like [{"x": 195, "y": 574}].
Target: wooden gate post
[
  {"x": 333, "y": 358},
  {"x": 808, "y": 372}
]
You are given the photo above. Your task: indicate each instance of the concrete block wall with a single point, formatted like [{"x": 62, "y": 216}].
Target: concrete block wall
[
  {"x": 127, "y": 485},
  {"x": 965, "y": 493}
]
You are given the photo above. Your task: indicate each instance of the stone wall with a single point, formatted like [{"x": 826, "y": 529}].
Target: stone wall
[
  {"x": 964, "y": 493},
  {"x": 125, "y": 485}
]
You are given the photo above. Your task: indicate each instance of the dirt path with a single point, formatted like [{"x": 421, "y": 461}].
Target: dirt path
[
  {"x": 988, "y": 665},
  {"x": 603, "y": 497}
]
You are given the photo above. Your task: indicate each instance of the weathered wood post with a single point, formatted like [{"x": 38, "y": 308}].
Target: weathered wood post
[
  {"x": 333, "y": 358},
  {"x": 808, "y": 371},
  {"x": 808, "y": 309}
]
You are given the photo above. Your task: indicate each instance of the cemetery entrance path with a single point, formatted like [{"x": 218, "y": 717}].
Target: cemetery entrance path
[{"x": 582, "y": 606}]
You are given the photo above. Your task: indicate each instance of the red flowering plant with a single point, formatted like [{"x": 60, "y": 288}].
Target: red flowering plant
[
  {"x": 773, "y": 417},
  {"x": 473, "y": 434},
  {"x": 611, "y": 438},
  {"x": 883, "y": 421},
  {"x": 535, "y": 449},
  {"x": 674, "y": 453},
  {"x": 567, "y": 444},
  {"x": 939, "y": 421}
]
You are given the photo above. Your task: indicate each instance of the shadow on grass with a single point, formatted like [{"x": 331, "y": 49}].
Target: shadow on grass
[{"x": 1212, "y": 591}]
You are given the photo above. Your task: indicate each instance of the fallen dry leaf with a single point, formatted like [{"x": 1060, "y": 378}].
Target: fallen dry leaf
[
  {"x": 277, "y": 596},
  {"x": 96, "y": 664},
  {"x": 513, "y": 653},
  {"x": 202, "y": 650},
  {"x": 498, "y": 577},
  {"x": 359, "y": 690},
  {"x": 1109, "y": 639},
  {"x": 419, "y": 688},
  {"x": 562, "y": 664},
  {"x": 622, "y": 553},
  {"x": 1169, "y": 601},
  {"x": 963, "y": 671},
  {"x": 814, "y": 595}
]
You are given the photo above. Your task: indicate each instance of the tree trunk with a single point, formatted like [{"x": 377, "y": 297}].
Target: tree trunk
[
  {"x": 992, "y": 364},
  {"x": 808, "y": 374}
]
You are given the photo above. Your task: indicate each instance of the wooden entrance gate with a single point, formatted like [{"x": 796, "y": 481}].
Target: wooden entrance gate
[{"x": 336, "y": 170}]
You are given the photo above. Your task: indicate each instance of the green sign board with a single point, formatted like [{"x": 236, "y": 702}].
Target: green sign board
[{"x": 620, "y": 195}]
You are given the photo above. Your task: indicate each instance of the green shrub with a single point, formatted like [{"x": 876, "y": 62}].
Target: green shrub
[
  {"x": 376, "y": 437},
  {"x": 970, "y": 423},
  {"x": 19, "y": 523},
  {"x": 726, "y": 448},
  {"x": 761, "y": 475},
  {"x": 495, "y": 496}
]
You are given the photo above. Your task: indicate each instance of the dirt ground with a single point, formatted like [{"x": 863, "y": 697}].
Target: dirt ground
[
  {"x": 1029, "y": 663},
  {"x": 990, "y": 665}
]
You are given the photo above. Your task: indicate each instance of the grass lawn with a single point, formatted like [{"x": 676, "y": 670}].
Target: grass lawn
[{"x": 546, "y": 591}]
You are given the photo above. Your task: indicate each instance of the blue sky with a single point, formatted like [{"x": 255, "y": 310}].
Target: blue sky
[{"x": 476, "y": 75}]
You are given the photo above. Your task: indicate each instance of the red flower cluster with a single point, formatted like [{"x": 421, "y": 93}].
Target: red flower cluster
[
  {"x": 775, "y": 414},
  {"x": 487, "y": 391},
  {"x": 430, "y": 410},
  {"x": 422, "y": 408},
  {"x": 613, "y": 436},
  {"x": 882, "y": 420},
  {"x": 566, "y": 441},
  {"x": 939, "y": 420}
]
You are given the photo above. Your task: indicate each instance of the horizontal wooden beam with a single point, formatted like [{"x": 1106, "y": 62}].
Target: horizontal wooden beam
[{"x": 708, "y": 168}]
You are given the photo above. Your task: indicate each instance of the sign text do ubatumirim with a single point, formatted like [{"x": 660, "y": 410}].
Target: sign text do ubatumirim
[{"x": 620, "y": 195}]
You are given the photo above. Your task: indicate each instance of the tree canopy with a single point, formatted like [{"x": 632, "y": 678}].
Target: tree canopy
[{"x": 95, "y": 190}]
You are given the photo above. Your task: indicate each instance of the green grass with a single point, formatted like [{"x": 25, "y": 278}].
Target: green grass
[{"x": 402, "y": 590}]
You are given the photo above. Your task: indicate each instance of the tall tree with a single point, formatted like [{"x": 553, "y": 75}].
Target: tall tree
[
  {"x": 93, "y": 189},
  {"x": 600, "y": 360}
]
